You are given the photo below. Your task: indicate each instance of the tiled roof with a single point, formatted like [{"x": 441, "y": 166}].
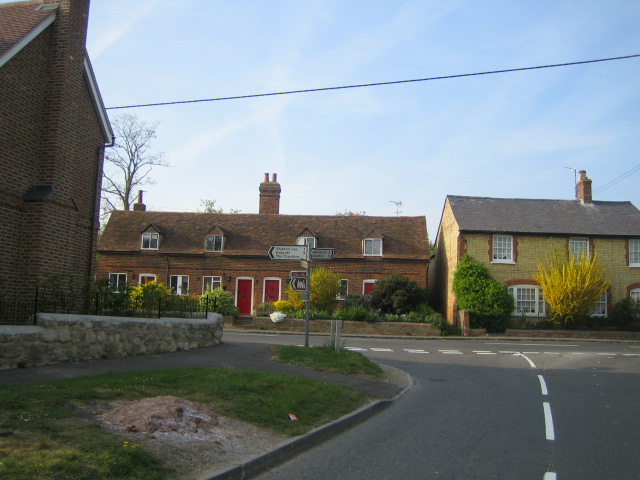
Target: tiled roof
[
  {"x": 253, "y": 234},
  {"x": 17, "y": 20},
  {"x": 554, "y": 217}
]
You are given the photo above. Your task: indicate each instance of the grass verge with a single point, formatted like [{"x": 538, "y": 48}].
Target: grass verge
[
  {"x": 326, "y": 359},
  {"x": 40, "y": 437}
]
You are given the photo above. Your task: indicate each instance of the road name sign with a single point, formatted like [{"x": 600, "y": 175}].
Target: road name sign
[
  {"x": 321, "y": 253},
  {"x": 288, "y": 252}
]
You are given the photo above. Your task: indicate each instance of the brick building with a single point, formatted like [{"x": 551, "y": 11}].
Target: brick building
[
  {"x": 510, "y": 237},
  {"x": 53, "y": 130},
  {"x": 194, "y": 251}
]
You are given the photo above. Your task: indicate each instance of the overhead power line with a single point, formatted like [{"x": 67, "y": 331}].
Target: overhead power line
[
  {"x": 618, "y": 179},
  {"x": 378, "y": 84}
]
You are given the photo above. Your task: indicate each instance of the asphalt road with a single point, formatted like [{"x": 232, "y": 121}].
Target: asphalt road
[{"x": 487, "y": 409}]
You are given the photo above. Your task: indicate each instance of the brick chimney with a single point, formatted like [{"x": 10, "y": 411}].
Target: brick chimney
[
  {"x": 139, "y": 206},
  {"x": 270, "y": 195},
  {"x": 583, "y": 188}
]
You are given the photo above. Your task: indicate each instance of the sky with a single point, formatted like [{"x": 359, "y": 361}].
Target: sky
[{"x": 509, "y": 135}]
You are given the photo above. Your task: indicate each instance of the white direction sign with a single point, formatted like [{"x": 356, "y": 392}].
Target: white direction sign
[
  {"x": 321, "y": 253},
  {"x": 288, "y": 252}
]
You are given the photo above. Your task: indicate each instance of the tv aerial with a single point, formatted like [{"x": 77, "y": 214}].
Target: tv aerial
[{"x": 398, "y": 205}]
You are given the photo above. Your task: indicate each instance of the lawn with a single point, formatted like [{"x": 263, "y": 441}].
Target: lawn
[{"x": 41, "y": 438}]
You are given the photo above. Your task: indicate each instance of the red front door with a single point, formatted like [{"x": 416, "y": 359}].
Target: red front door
[
  {"x": 244, "y": 296},
  {"x": 271, "y": 290}
]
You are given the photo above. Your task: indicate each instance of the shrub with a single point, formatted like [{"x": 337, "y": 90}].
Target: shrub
[
  {"x": 626, "y": 314},
  {"x": 295, "y": 298},
  {"x": 488, "y": 300},
  {"x": 353, "y": 299},
  {"x": 397, "y": 294},
  {"x": 149, "y": 294},
  {"x": 220, "y": 301},
  {"x": 283, "y": 306},
  {"x": 572, "y": 285},
  {"x": 356, "y": 313},
  {"x": 325, "y": 288},
  {"x": 265, "y": 309}
]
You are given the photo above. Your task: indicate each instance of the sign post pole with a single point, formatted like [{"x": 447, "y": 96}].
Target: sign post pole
[{"x": 307, "y": 311}]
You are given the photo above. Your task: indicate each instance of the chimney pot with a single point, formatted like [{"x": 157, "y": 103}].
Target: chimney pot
[
  {"x": 583, "y": 188},
  {"x": 270, "y": 196},
  {"x": 139, "y": 206}
]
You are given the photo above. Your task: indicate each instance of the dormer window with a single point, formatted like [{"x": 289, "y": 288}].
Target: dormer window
[
  {"x": 373, "y": 247},
  {"x": 213, "y": 243},
  {"x": 214, "y": 239},
  {"x": 150, "y": 241},
  {"x": 310, "y": 242},
  {"x": 308, "y": 238}
]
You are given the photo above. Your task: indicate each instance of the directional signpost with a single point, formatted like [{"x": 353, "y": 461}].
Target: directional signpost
[
  {"x": 300, "y": 281},
  {"x": 321, "y": 253},
  {"x": 288, "y": 252}
]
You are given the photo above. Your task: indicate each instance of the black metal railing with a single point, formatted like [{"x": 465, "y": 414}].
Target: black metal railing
[{"x": 107, "y": 303}]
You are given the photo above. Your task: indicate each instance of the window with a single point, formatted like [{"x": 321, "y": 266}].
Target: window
[
  {"x": 213, "y": 243},
  {"x": 118, "y": 281},
  {"x": 600, "y": 308},
  {"x": 528, "y": 299},
  {"x": 634, "y": 253},
  {"x": 145, "y": 278},
  {"x": 373, "y": 247},
  {"x": 502, "y": 249},
  {"x": 578, "y": 247},
  {"x": 635, "y": 294},
  {"x": 211, "y": 283},
  {"x": 310, "y": 242},
  {"x": 368, "y": 286},
  {"x": 150, "y": 241},
  {"x": 344, "y": 289},
  {"x": 180, "y": 284}
]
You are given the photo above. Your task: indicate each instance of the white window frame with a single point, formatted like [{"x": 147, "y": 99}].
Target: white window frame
[
  {"x": 634, "y": 252},
  {"x": 151, "y": 239},
  {"x": 217, "y": 240},
  {"x": 150, "y": 275},
  {"x": 211, "y": 280},
  {"x": 529, "y": 296},
  {"x": 368, "y": 281},
  {"x": 117, "y": 281},
  {"x": 369, "y": 248},
  {"x": 579, "y": 246},
  {"x": 635, "y": 294},
  {"x": 179, "y": 284},
  {"x": 310, "y": 242},
  {"x": 344, "y": 288},
  {"x": 502, "y": 249},
  {"x": 600, "y": 307}
]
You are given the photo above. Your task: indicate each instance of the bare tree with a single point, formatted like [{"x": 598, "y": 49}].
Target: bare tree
[{"x": 129, "y": 162}]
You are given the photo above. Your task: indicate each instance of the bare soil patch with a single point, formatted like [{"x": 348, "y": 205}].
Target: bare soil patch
[{"x": 189, "y": 437}]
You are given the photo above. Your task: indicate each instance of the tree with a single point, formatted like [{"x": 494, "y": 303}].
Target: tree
[
  {"x": 349, "y": 213},
  {"x": 397, "y": 294},
  {"x": 129, "y": 162},
  {"x": 325, "y": 288},
  {"x": 572, "y": 285},
  {"x": 210, "y": 206},
  {"x": 487, "y": 299}
]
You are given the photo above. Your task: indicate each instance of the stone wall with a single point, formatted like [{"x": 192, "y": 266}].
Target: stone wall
[
  {"x": 324, "y": 326},
  {"x": 58, "y": 338}
]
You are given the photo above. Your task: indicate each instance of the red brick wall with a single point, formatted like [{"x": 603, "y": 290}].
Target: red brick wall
[
  {"x": 197, "y": 266},
  {"x": 50, "y": 134}
]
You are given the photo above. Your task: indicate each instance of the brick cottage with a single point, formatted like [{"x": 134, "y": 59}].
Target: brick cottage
[
  {"x": 194, "y": 251},
  {"x": 53, "y": 131}
]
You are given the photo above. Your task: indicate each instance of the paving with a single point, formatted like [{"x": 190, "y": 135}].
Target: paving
[{"x": 247, "y": 356}]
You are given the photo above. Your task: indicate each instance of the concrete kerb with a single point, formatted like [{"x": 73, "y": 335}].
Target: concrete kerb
[{"x": 298, "y": 445}]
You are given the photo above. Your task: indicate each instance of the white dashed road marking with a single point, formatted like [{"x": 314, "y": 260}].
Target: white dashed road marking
[{"x": 548, "y": 421}]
